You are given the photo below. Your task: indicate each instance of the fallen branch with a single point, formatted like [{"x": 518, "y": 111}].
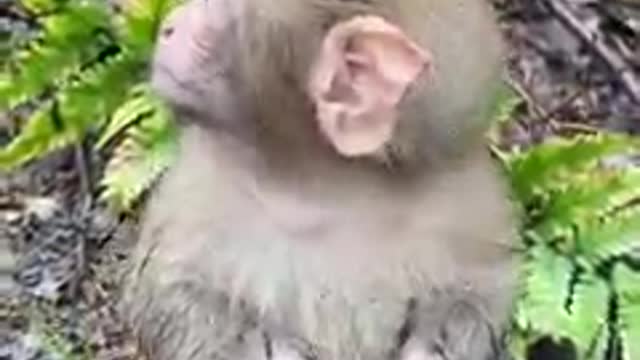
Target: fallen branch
[{"x": 616, "y": 63}]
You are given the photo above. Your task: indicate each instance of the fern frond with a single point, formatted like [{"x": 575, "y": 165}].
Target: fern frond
[
  {"x": 628, "y": 289},
  {"x": 580, "y": 212},
  {"x": 69, "y": 39},
  {"x": 42, "y": 6},
  {"x": 554, "y": 163},
  {"x": 137, "y": 106},
  {"x": 545, "y": 291},
  {"x": 80, "y": 106},
  {"x": 147, "y": 150},
  {"x": 611, "y": 236},
  {"x": 41, "y": 134},
  {"x": 543, "y": 306},
  {"x": 585, "y": 197},
  {"x": 586, "y": 320}
]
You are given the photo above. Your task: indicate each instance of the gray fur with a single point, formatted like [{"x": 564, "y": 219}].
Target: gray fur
[{"x": 251, "y": 252}]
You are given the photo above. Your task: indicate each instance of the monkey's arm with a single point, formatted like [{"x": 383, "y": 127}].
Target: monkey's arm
[
  {"x": 453, "y": 330},
  {"x": 180, "y": 317},
  {"x": 466, "y": 321}
]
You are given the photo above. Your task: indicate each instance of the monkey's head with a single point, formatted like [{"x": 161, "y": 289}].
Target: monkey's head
[{"x": 354, "y": 78}]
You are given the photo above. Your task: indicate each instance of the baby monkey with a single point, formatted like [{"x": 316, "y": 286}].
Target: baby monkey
[{"x": 332, "y": 198}]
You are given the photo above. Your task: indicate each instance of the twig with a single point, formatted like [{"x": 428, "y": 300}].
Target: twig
[
  {"x": 541, "y": 114},
  {"x": 617, "y": 64},
  {"x": 574, "y": 127},
  {"x": 84, "y": 173},
  {"x": 538, "y": 110}
]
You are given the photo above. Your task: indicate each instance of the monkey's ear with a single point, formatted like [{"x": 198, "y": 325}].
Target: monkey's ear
[{"x": 363, "y": 70}]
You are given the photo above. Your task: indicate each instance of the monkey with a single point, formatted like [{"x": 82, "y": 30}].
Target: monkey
[{"x": 332, "y": 197}]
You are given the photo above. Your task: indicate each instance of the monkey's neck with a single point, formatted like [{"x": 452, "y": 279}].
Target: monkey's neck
[
  {"x": 347, "y": 234},
  {"x": 310, "y": 200},
  {"x": 316, "y": 170}
]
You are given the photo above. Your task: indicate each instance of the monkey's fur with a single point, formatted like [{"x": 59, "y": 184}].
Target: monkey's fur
[{"x": 261, "y": 242}]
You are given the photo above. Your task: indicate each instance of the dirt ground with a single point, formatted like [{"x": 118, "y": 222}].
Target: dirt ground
[{"x": 575, "y": 63}]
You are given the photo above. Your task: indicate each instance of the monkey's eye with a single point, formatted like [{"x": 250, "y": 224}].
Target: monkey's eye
[{"x": 168, "y": 31}]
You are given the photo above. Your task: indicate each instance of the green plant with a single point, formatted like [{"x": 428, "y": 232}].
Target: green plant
[
  {"x": 579, "y": 204},
  {"x": 147, "y": 148},
  {"x": 84, "y": 74}
]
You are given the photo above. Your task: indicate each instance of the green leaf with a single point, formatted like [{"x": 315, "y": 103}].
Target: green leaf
[
  {"x": 126, "y": 115},
  {"x": 140, "y": 159},
  {"x": 42, "y": 134},
  {"x": 42, "y": 6},
  {"x": 69, "y": 39},
  {"x": 79, "y": 107},
  {"x": 628, "y": 288},
  {"x": 585, "y": 324},
  {"x": 545, "y": 290},
  {"x": 613, "y": 236},
  {"x": 552, "y": 164},
  {"x": 543, "y": 306},
  {"x": 587, "y": 197}
]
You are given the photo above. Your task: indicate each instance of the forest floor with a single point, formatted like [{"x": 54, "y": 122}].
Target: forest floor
[{"x": 575, "y": 64}]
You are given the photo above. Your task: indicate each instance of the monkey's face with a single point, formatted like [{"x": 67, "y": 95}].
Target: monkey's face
[
  {"x": 192, "y": 64},
  {"x": 357, "y": 75}
]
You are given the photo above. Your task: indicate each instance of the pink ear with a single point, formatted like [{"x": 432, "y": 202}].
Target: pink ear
[{"x": 364, "y": 68}]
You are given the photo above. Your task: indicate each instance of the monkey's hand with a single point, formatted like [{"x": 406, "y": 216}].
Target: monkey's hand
[
  {"x": 178, "y": 316},
  {"x": 451, "y": 330},
  {"x": 175, "y": 316}
]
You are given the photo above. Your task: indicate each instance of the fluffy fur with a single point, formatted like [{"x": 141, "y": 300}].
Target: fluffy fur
[{"x": 261, "y": 240}]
